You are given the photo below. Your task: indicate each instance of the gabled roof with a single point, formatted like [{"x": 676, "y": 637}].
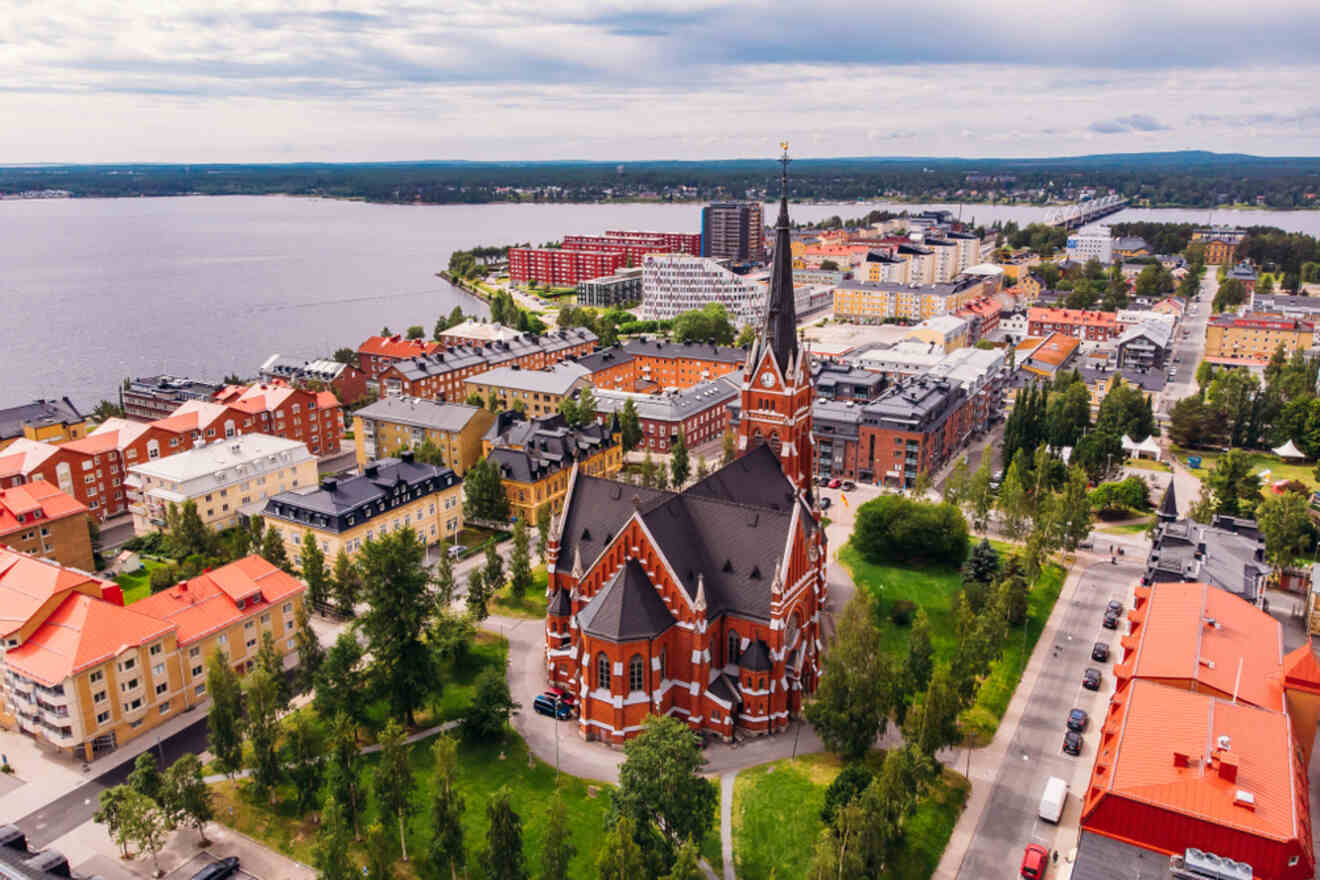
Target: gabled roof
[
  {"x": 24, "y": 455},
  {"x": 627, "y": 608},
  {"x": 83, "y": 631},
  {"x": 560, "y": 604},
  {"x": 397, "y": 347},
  {"x": 756, "y": 656},
  {"x": 38, "y": 412},
  {"x": 1301, "y": 671},
  {"x": 208, "y": 602},
  {"x": 28, "y": 582},
  {"x": 36, "y": 496}
]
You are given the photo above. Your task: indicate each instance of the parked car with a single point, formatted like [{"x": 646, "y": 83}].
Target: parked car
[
  {"x": 1091, "y": 679},
  {"x": 1111, "y": 620},
  {"x": 456, "y": 550},
  {"x": 563, "y": 696},
  {"x": 1100, "y": 652},
  {"x": 1078, "y": 719},
  {"x": 849, "y": 485},
  {"x": 1072, "y": 743},
  {"x": 1114, "y": 607},
  {"x": 1034, "y": 861},
  {"x": 545, "y": 705},
  {"x": 835, "y": 483},
  {"x": 218, "y": 870},
  {"x": 825, "y": 504},
  {"x": 821, "y": 481}
]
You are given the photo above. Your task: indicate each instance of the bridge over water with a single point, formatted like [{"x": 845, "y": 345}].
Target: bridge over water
[{"x": 1073, "y": 216}]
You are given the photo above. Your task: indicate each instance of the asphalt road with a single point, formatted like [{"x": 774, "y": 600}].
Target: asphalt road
[
  {"x": 1010, "y": 820},
  {"x": 63, "y": 815}
]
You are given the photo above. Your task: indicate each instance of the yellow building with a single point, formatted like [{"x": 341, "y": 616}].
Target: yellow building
[
  {"x": 225, "y": 480},
  {"x": 390, "y": 494},
  {"x": 85, "y": 674},
  {"x": 886, "y": 269},
  {"x": 47, "y": 421},
  {"x": 945, "y": 332},
  {"x": 397, "y": 423},
  {"x": 866, "y": 302},
  {"x": 536, "y": 458},
  {"x": 1255, "y": 336},
  {"x": 539, "y": 391}
]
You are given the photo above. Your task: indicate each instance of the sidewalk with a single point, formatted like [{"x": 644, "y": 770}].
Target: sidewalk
[{"x": 986, "y": 762}]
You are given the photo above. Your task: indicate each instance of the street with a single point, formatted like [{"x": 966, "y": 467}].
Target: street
[{"x": 1034, "y": 754}]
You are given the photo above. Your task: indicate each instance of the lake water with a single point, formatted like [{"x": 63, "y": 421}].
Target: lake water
[{"x": 94, "y": 290}]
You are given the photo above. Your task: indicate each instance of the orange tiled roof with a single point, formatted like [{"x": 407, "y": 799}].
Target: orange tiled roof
[
  {"x": 23, "y": 456},
  {"x": 1194, "y": 632},
  {"x": 1056, "y": 349},
  {"x": 28, "y": 582},
  {"x": 38, "y": 495},
  {"x": 397, "y": 347},
  {"x": 83, "y": 631},
  {"x": 207, "y": 603},
  {"x": 1071, "y": 316},
  {"x": 1300, "y": 669},
  {"x": 92, "y": 444},
  {"x": 1159, "y": 749},
  {"x": 326, "y": 400}
]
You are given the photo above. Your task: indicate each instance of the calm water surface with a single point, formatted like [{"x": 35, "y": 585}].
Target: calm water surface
[{"x": 93, "y": 290}]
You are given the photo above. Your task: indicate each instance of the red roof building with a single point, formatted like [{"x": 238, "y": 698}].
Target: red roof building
[
  {"x": 378, "y": 353},
  {"x": 1081, "y": 323},
  {"x": 38, "y": 518}
]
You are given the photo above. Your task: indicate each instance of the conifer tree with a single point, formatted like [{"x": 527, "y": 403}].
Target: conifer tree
[
  {"x": 446, "y": 853},
  {"x": 679, "y": 466},
  {"x": 503, "y": 859},
  {"x": 313, "y": 570},
  {"x": 347, "y": 583},
  {"x": 557, "y": 850},
  {"x": 225, "y": 719},
  {"x": 308, "y": 645},
  {"x": 520, "y": 564},
  {"x": 620, "y": 857}
]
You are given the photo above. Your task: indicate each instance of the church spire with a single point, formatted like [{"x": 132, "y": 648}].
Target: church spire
[{"x": 780, "y": 329}]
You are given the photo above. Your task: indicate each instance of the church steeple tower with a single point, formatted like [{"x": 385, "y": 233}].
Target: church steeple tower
[{"x": 776, "y": 387}]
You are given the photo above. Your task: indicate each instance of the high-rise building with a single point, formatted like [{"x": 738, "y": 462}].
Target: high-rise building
[
  {"x": 733, "y": 231},
  {"x": 677, "y": 283}
]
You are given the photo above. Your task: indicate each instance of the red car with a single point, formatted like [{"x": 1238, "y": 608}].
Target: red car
[
  {"x": 835, "y": 483},
  {"x": 564, "y": 696},
  {"x": 1034, "y": 861}
]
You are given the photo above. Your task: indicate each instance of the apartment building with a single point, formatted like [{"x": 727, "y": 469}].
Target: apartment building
[
  {"x": 539, "y": 391},
  {"x": 312, "y": 417},
  {"x": 345, "y": 380},
  {"x": 624, "y": 286},
  {"x": 635, "y": 245},
  {"x": 873, "y": 303},
  {"x": 1081, "y": 323},
  {"x": 733, "y": 231},
  {"x": 563, "y": 266},
  {"x": 378, "y": 353},
  {"x": 227, "y": 480},
  {"x": 46, "y": 421},
  {"x": 945, "y": 332},
  {"x": 478, "y": 333},
  {"x": 536, "y": 458},
  {"x": 677, "y": 283},
  {"x": 389, "y": 494},
  {"x": 1255, "y": 335},
  {"x": 884, "y": 268},
  {"x": 39, "y": 519},
  {"x": 699, "y": 412},
  {"x": 393, "y": 424},
  {"x": 149, "y": 398},
  {"x": 648, "y": 365},
  {"x": 84, "y": 674},
  {"x": 1220, "y": 243},
  {"x": 1046, "y": 357},
  {"x": 90, "y": 470},
  {"x": 983, "y": 375},
  {"x": 845, "y": 382}
]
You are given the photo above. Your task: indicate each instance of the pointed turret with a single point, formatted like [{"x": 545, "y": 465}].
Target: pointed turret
[
  {"x": 780, "y": 329},
  {"x": 577, "y": 562},
  {"x": 699, "y": 604},
  {"x": 1168, "y": 511}
]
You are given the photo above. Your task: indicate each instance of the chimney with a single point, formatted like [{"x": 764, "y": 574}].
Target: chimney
[
  {"x": 371, "y": 470},
  {"x": 330, "y": 485},
  {"x": 1182, "y": 759},
  {"x": 406, "y": 456}
]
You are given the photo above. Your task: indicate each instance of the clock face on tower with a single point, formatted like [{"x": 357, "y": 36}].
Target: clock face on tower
[{"x": 767, "y": 378}]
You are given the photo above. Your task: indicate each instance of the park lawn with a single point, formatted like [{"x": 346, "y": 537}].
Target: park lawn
[
  {"x": 138, "y": 584},
  {"x": 531, "y": 605},
  {"x": 776, "y": 819},
  {"x": 483, "y": 769},
  {"x": 933, "y": 589},
  {"x": 1128, "y": 528},
  {"x": 1145, "y": 464},
  {"x": 488, "y": 651},
  {"x": 1260, "y": 461}
]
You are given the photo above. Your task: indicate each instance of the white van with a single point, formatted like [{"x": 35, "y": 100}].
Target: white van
[{"x": 1054, "y": 799}]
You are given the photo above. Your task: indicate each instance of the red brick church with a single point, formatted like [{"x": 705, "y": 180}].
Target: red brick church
[{"x": 703, "y": 604}]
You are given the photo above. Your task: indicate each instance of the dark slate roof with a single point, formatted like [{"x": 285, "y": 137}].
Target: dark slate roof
[
  {"x": 379, "y": 489},
  {"x": 756, "y": 656},
  {"x": 1169, "y": 504},
  {"x": 780, "y": 329},
  {"x": 730, "y": 528},
  {"x": 38, "y": 412},
  {"x": 628, "y": 608},
  {"x": 560, "y": 605},
  {"x": 1103, "y": 858},
  {"x": 1227, "y": 555},
  {"x": 724, "y": 689},
  {"x": 528, "y": 450},
  {"x": 626, "y": 351}
]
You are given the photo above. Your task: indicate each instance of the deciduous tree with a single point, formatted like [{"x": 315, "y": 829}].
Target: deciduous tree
[
  {"x": 333, "y": 841},
  {"x": 399, "y": 606},
  {"x": 477, "y": 594},
  {"x": 620, "y": 857},
  {"x": 854, "y": 696},
  {"x": 273, "y": 551},
  {"x": 393, "y": 779},
  {"x": 306, "y": 750},
  {"x": 225, "y": 719},
  {"x": 347, "y": 587},
  {"x": 557, "y": 850},
  {"x": 308, "y": 645},
  {"x": 187, "y": 796},
  {"x": 445, "y": 853},
  {"x": 921, "y": 653},
  {"x": 263, "y": 730},
  {"x": 340, "y": 684},
  {"x": 145, "y": 777},
  {"x": 112, "y": 812},
  {"x": 488, "y": 714},
  {"x": 1285, "y": 524},
  {"x": 661, "y": 780},
  {"x": 679, "y": 466}
]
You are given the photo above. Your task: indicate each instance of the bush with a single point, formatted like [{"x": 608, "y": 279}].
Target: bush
[
  {"x": 161, "y": 578},
  {"x": 1129, "y": 494},
  {"x": 891, "y": 528},
  {"x": 902, "y": 611},
  {"x": 851, "y": 782}
]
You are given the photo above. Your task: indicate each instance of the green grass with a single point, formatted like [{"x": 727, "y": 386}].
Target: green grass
[
  {"x": 1145, "y": 464},
  {"x": 483, "y": 769},
  {"x": 452, "y": 699},
  {"x": 138, "y": 584},
  {"x": 933, "y": 589},
  {"x": 1130, "y": 528},
  {"x": 530, "y": 606},
  {"x": 776, "y": 819},
  {"x": 1259, "y": 461}
]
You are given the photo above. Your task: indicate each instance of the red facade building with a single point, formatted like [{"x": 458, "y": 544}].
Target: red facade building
[
  {"x": 1081, "y": 323},
  {"x": 563, "y": 267},
  {"x": 702, "y": 604}
]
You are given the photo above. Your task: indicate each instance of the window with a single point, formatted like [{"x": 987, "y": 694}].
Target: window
[
  {"x": 98, "y": 697},
  {"x": 96, "y": 676},
  {"x": 602, "y": 671},
  {"x": 102, "y": 718},
  {"x": 165, "y": 707},
  {"x": 197, "y": 671},
  {"x": 636, "y": 673},
  {"x": 251, "y": 643},
  {"x": 162, "y": 688},
  {"x": 128, "y": 664},
  {"x": 133, "y": 705},
  {"x": 265, "y": 618},
  {"x": 195, "y": 651},
  {"x": 732, "y": 656},
  {"x": 200, "y": 689}
]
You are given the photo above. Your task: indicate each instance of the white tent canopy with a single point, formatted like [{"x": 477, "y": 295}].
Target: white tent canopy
[
  {"x": 1147, "y": 448},
  {"x": 1289, "y": 450}
]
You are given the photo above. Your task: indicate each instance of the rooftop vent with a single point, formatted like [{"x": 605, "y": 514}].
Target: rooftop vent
[
  {"x": 1224, "y": 742},
  {"x": 1245, "y": 799}
]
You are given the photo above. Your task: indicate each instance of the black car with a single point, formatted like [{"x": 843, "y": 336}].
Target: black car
[
  {"x": 849, "y": 485},
  {"x": 1091, "y": 679},
  {"x": 218, "y": 870},
  {"x": 1114, "y": 607},
  {"x": 1100, "y": 652},
  {"x": 1072, "y": 742},
  {"x": 1077, "y": 720},
  {"x": 1111, "y": 620},
  {"x": 546, "y": 705}
]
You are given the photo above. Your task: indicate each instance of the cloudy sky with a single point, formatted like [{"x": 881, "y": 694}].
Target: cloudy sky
[{"x": 254, "y": 81}]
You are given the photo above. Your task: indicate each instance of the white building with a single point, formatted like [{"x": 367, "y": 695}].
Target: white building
[
  {"x": 677, "y": 283},
  {"x": 1096, "y": 244},
  {"x": 1136, "y": 317},
  {"x": 907, "y": 358},
  {"x": 230, "y": 477}
]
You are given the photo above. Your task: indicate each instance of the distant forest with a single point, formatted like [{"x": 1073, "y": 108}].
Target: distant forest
[{"x": 1180, "y": 179}]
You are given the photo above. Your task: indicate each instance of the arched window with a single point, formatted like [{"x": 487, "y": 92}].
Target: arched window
[
  {"x": 636, "y": 673},
  {"x": 602, "y": 671},
  {"x": 664, "y": 662},
  {"x": 732, "y": 656}
]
